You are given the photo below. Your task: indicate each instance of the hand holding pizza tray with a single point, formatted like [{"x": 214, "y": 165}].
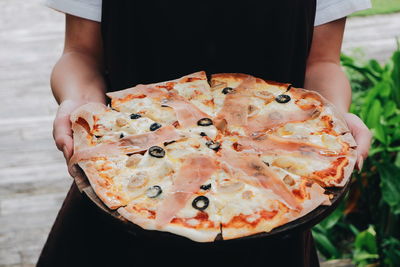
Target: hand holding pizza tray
[{"x": 236, "y": 158}]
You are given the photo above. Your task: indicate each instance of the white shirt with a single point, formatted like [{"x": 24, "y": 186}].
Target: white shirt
[{"x": 327, "y": 10}]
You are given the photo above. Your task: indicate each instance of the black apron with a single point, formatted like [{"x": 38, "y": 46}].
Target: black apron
[{"x": 156, "y": 40}]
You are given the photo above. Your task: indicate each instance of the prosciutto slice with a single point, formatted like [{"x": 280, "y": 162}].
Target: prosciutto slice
[
  {"x": 129, "y": 144},
  {"x": 87, "y": 112},
  {"x": 186, "y": 113},
  {"x": 274, "y": 119},
  {"x": 141, "y": 142},
  {"x": 155, "y": 89},
  {"x": 253, "y": 166},
  {"x": 235, "y": 108},
  {"x": 141, "y": 89},
  {"x": 194, "y": 172},
  {"x": 270, "y": 143}
]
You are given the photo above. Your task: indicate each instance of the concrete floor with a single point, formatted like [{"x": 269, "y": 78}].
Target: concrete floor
[{"x": 33, "y": 175}]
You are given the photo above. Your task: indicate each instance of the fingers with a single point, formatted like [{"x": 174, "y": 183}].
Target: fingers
[
  {"x": 62, "y": 132},
  {"x": 362, "y": 136}
]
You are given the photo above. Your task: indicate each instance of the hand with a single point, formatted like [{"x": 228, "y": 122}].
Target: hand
[
  {"x": 361, "y": 134},
  {"x": 62, "y": 132}
]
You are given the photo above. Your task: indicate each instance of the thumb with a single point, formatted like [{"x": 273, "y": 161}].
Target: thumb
[
  {"x": 62, "y": 135},
  {"x": 362, "y": 136}
]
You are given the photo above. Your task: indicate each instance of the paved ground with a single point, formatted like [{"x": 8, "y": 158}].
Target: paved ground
[{"x": 33, "y": 177}]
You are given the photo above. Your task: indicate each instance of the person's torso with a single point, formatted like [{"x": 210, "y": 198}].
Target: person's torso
[{"x": 151, "y": 41}]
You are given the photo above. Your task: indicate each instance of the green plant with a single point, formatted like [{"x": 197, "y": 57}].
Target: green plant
[{"x": 366, "y": 227}]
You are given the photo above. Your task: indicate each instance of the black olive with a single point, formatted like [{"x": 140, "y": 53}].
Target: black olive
[
  {"x": 213, "y": 145},
  {"x": 205, "y": 122},
  {"x": 168, "y": 143},
  {"x": 135, "y": 116},
  {"x": 289, "y": 87},
  {"x": 98, "y": 136},
  {"x": 282, "y": 99},
  {"x": 157, "y": 152},
  {"x": 155, "y": 126},
  {"x": 205, "y": 186},
  {"x": 121, "y": 135},
  {"x": 227, "y": 90},
  {"x": 200, "y": 203},
  {"x": 266, "y": 163},
  {"x": 203, "y": 134},
  {"x": 154, "y": 191}
]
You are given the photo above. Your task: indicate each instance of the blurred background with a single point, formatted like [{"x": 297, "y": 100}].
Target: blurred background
[{"x": 363, "y": 231}]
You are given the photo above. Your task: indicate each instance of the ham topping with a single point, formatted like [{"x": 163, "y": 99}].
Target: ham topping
[
  {"x": 195, "y": 171},
  {"x": 274, "y": 119},
  {"x": 236, "y": 104},
  {"x": 129, "y": 144},
  {"x": 87, "y": 113},
  {"x": 253, "y": 166},
  {"x": 142, "y": 142},
  {"x": 270, "y": 143},
  {"x": 141, "y": 89},
  {"x": 186, "y": 113}
]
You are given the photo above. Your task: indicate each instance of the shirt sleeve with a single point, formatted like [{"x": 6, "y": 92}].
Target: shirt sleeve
[
  {"x": 329, "y": 10},
  {"x": 87, "y": 9}
]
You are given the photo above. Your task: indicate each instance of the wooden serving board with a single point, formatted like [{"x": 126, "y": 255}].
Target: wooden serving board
[{"x": 303, "y": 223}]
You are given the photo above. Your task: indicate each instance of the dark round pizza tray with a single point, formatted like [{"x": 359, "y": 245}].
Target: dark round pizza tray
[{"x": 301, "y": 224}]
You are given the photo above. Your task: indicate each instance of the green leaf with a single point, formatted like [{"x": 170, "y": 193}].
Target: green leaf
[
  {"x": 366, "y": 241},
  {"x": 374, "y": 114},
  {"x": 362, "y": 256},
  {"x": 326, "y": 245},
  {"x": 375, "y": 66},
  {"x": 389, "y": 108},
  {"x": 386, "y": 89},
  {"x": 397, "y": 160},
  {"x": 396, "y": 134},
  {"x": 394, "y": 121},
  {"x": 379, "y": 133},
  {"x": 353, "y": 229},
  {"x": 391, "y": 250},
  {"x": 365, "y": 247},
  {"x": 393, "y": 149},
  {"x": 375, "y": 150},
  {"x": 332, "y": 219},
  {"x": 396, "y": 76},
  {"x": 390, "y": 185}
]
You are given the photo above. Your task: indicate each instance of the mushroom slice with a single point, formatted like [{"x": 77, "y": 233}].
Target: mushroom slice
[
  {"x": 138, "y": 180},
  {"x": 133, "y": 160},
  {"x": 230, "y": 186}
]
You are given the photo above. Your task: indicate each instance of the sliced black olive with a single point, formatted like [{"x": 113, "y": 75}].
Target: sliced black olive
[
  {"x": 121, "y": 135},
  {"x": 205, "y": 122},
  {"x": 266, "y": 163},
  {"x": 168, "y": 143},
  {"x": 205, "y": 186},
  {"x": 164, "y": 103},
  {"x": 200, "y": 203},
  {"x": 155, "y": 126},
  {"x": 203, "y": 134},
  {"x": 153, "y": 191},
  {"x": 157, "y": 152},
  {"x": 282, "y": 99},
  {"x": 213, "y": 145},
  {"x": 227, "y": 90},
  {"x": 289, "y": 87},
  {"x": 135, "y": 116},
  {"x": 98, "y": 136}
]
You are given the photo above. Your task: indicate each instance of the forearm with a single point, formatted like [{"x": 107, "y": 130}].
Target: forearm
[
  {"x": 78, "y": 77},
  {"x": 329, "y": 80}
]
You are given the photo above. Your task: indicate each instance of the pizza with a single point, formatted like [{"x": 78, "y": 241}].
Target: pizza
[{"x": 232, "y": 156}]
